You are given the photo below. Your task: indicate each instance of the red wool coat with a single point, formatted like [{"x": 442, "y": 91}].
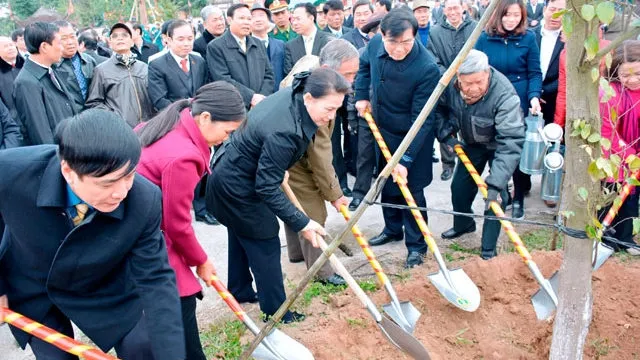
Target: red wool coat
[{"x": 176, "y": 163}]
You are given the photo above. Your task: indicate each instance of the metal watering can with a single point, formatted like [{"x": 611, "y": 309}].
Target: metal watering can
[
  {"x": 553, "y": 163},
  {"x": 534, "y": 147}
]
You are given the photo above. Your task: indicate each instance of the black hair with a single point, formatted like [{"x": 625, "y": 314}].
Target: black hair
[
  {"x": 137, "y": 26},
  {"x": 362, "y": 3},
  {"x": 37, "y": 33},
  {"x": 333, "y": 5},
  {"x": 386, "y": 3},
  {"x": 309, "y": 8},
  {"x": 176, "y": 24},
  {"x": 220, "y": 99},
  {"x": 324, "y": 81},
  {"x": 89, "y": 38},
  {"x": 97, "y": 142},
  {"x": 165, "y": 27},
  {"x": 397, "y": 21},
  {"x": 232, "y": 9},
  {"x": 63, "y": 23},
  {"x": 17, "y": 33}
]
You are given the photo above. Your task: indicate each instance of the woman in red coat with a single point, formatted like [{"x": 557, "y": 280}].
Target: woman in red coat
[{"x": 175, "y": 155}]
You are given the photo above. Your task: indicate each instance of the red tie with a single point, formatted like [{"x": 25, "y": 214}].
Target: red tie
[{"x": 183, "y": 64}]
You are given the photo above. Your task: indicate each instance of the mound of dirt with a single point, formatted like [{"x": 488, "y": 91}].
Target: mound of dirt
[{"x": 504, "y": 327}]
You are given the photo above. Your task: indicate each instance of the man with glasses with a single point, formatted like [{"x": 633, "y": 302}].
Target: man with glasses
[{"x": 401, "y": 75}]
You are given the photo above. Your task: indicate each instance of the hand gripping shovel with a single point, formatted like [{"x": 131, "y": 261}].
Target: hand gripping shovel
[
  {"x": 544, "y": 302},
  {"x": 396, "y": 335},
  {"x": 403, "y": 313},
  {"x": 53, "y": 337},
  {"x": 455, "y": 285},
  {"x": 277, "y": 345}
]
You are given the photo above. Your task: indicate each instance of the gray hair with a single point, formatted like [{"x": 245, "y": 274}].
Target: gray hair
[
  {"x": 475, "y": 62},
  {"x": 210, "y": 9},
  {"x": 336, "y": 52}
]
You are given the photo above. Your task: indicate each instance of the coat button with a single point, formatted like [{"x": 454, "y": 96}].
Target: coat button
[
  {"x": 518, "y": 77},
  {"x": 517, "y": 43}
]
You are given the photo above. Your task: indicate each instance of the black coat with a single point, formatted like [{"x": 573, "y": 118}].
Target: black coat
[
  {"x": 200, "y": 45},
  {"x": 147, "y": 50},
  {"x": 243, "y": 190},
  {"x": 399, "y": 91},
  {"x": 102, "y": 274},
  {"x": 249, "y": 72},
  {"x": 535, "y": 15},
  {"x": 550, "y": 81},
  {"x": 10, "y": 135},
  {"x": 355, "y": 38},
  {"x": 294, "y": 49},
  {"x": 41, "y": 105},
  {"x": 168, "y": 83},
  {"x": 8, "y": 75}
]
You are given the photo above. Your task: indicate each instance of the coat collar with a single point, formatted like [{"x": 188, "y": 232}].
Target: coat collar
[
  {"x": 231, "y": 42},
  {"x": 189, "y": 125},
  {"x": 38, "y": 71},
  {"x": 53, "y": 191},
  {"x": 5, "y": 67}
]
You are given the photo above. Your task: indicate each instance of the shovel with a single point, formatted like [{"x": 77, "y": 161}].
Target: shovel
[
  {"x": 399, "y": 337},
  {"x": 545, "y": 300},
  {"x": 403, "y": 313},
  {"x": 455, "y": 285},
  {"x": 277, "y": 345},
  {"x": 53, "y": 337}
]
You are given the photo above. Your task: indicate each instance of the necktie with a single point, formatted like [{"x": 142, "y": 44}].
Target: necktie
[
  {"x": 81, "y": 209},
  {"x": 183, "y": 65},
  {"x": 77, "y": 70},
  {"x": 55, "y": 81},
  {"x": 243, "y": 45}
]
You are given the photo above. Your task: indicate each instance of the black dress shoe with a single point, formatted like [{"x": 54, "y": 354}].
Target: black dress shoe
[
  {"x": 207, "y": 219},
  {"x": 447, "y": 173},
  {"x": 414, "y": 259},
  {"x": 518, "y": 210},
  {"x": 452, "y": 233},
  {"x": 334, "y": 279},
  {"x": 251, "y": 300},
  {"x": 292, "y": 316},
  {"x": 354, "y": 204},
  {"x": 347, "y": 192},
  {"x": 383, "y": 239},
  {"x": 295, "y": 261},
  {"x": 434, "y": 158}
]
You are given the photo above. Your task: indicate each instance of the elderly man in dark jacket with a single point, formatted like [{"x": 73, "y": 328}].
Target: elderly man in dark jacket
[
  {"x": 214, "y": 26},
  {"x": 482, "y": 105},
  {"x": 10, "y": 65},
  {"x": 239, "y": 58},
  {"x": 120, "y": 83},
  {"x": 402, "y": 75}
]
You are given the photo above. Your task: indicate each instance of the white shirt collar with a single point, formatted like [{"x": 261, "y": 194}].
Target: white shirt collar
[
  {"x": 311, "y": 36},
  {"x": 37, "y": 63},
  {"x": 266, "y": 38},
  {"x": 239, "y": 40},
  {"x": 545, "y": 32},
  {"x": 336, "y": 32}
]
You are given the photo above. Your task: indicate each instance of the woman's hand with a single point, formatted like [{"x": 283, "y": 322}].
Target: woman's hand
[
  {"x": 535, "y": 106},
  {"x": 206, "y": 272}
]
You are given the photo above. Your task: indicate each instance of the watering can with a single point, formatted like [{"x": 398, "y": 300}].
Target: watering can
[
  {"x": 553, "y": 163},
  {"x": 534, "y": 147}
]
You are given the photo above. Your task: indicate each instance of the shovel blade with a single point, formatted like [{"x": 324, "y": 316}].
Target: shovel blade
[
  {"x": 461, "y": 292},
  {"x": 543, "y": 303},
  {"x": 279, "y": 346},
  {"x": 601, "y": 252},
  {"x": 403, "y": 340},
  {"x": 406, "y": 318}
]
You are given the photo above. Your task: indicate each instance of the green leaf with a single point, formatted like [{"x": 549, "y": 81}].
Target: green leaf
[
  {"x": 608, "y": 59},
  {"x": 636, "y": 226},
  {"x": 591, "y": 231},
  {"x": 567, "y": 24},
  {"x": 601, "y": 163},
  {"x": 635, "y": 164},
  {"x": 595, "y": 74},
  {"x": 592, "y": 45},
  {"x": 613, "y": 116},
  {"x": 595, "y": 173},
  {"x": 605, "y": 143},
  {"x": 633, "y": 181},
  {"x": 630, "y": 158},
  {"x": 587, "y": 149},
  {"x": 588, "y": 12},
  {"x": 576, "y": 123},
  {"x": 557, "y": 14},
  {"x": 615, "y": 159},
  {"x": 583, "y": 193},
  {"x": 606, "y": 11},
  {"x": 594, "y": 138},
  {"x": 586, "y": 131}
]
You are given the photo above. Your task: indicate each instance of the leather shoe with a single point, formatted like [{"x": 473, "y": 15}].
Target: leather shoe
[
  {"x": 447, "y": 173},
  {"x": 383, "y": 239},
  {"x": 354, "y": 204},
  {"x": 334, "y": 279},
  {"x": 434, "y": 158},
  {"x": 347, "y": 192},
  {"x": 414, "y": 259},
  {"x": 293, "y": 316},
  {"x": 518, "y": 210},
  {"x": 207, "y": 219},
  {"x": 452, "y": 233},
  {"x": 251, "y": 300},
  {"x": 295, "y": 261}
]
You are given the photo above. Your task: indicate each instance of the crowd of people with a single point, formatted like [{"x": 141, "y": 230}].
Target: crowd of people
[{"x": 109, "y": 139}]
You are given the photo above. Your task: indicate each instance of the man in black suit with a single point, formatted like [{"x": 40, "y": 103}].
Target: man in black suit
[
  {"x": 260, "y": 18},
  {"x": 362, "y": 10},
  {"x": 88, "y": 44},
  {"x": 41, "y": 99},
  {"x": 142, "y": 49},
  {"x": 310, "y": 41},
  {"x": 214, "y": 26},
  {"x": 535, "y": 12},
  {"x": 97, "y": 257},
  {"x": 10, "y": 65},
  {"x": 239, "y": 58},
  {"x": 334, "y": 13}
]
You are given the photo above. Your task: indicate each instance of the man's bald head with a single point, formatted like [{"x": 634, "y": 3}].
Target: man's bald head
[{"x": 8, "y": 50}]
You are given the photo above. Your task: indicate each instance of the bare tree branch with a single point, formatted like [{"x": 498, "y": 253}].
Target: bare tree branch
[{"x": 632, "y": 33}]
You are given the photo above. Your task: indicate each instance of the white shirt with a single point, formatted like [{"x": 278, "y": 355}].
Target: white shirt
[
  {"x": 308, "y": 41},
  {"x": 178, "y": 59},
  {"x": 548, "y": 42},
  {"x": 534, "y": 7},
  {"x": 337, "y": 33},
  {"x": 242, "y": 43},
  {"x": 264, "y": 40}
]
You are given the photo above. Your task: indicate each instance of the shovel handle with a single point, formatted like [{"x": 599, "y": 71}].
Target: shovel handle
[
  {"x": 382, "y": 277},
  {"x": 53, "y": 337},
  {"x": 228, "y": 298},
  {"x": 613, "y": 211}
]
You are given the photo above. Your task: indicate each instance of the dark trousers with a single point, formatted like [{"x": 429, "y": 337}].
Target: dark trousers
[
  {"x": 448, "y": 157},
  {"x": 521, "y": 185},
  {"x": 366, "y": 161},
  {"x": 623, "y": 229},
  {"x": 199, "y": 203},
  {"x": 338, "y": 158},
  {"x": 395, "y": 220},
  {"x": 463, "y": 192},
  {"x": 190, "y": 323},
  {"x": 133, "y": 346},
  {"x": 262, "y": 258}
]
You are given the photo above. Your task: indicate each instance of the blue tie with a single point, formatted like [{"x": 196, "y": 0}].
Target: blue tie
[{"x": 77, "y": 70}]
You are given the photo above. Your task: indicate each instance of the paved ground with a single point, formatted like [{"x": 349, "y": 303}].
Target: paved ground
[{"x": 214, "y": 240}]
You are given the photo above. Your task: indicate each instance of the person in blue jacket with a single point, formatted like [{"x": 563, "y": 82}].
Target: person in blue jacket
[{"x": 513, "y": 50}]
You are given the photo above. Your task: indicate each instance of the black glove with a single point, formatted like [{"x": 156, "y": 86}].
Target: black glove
[
  {"x": 492, "y": 195},
  {"x": 451, "y": 141}
]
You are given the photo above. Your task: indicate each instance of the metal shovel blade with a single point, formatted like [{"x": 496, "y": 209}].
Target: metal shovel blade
[
  {"x": 601, "y": 252},
  {"x": 462, "y": 292},
  {"x": 403, "y": 340},
  {"x": 543, "y": 304},
  {"x": 406, "y": 316},
  {"x": 279, "y": 346}
]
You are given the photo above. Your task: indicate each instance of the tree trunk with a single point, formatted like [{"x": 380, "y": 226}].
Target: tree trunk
[{"x": 575, "y": 299}]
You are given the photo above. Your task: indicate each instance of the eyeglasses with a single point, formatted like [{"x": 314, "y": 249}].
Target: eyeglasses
[{"x": 120, "y": 35}]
